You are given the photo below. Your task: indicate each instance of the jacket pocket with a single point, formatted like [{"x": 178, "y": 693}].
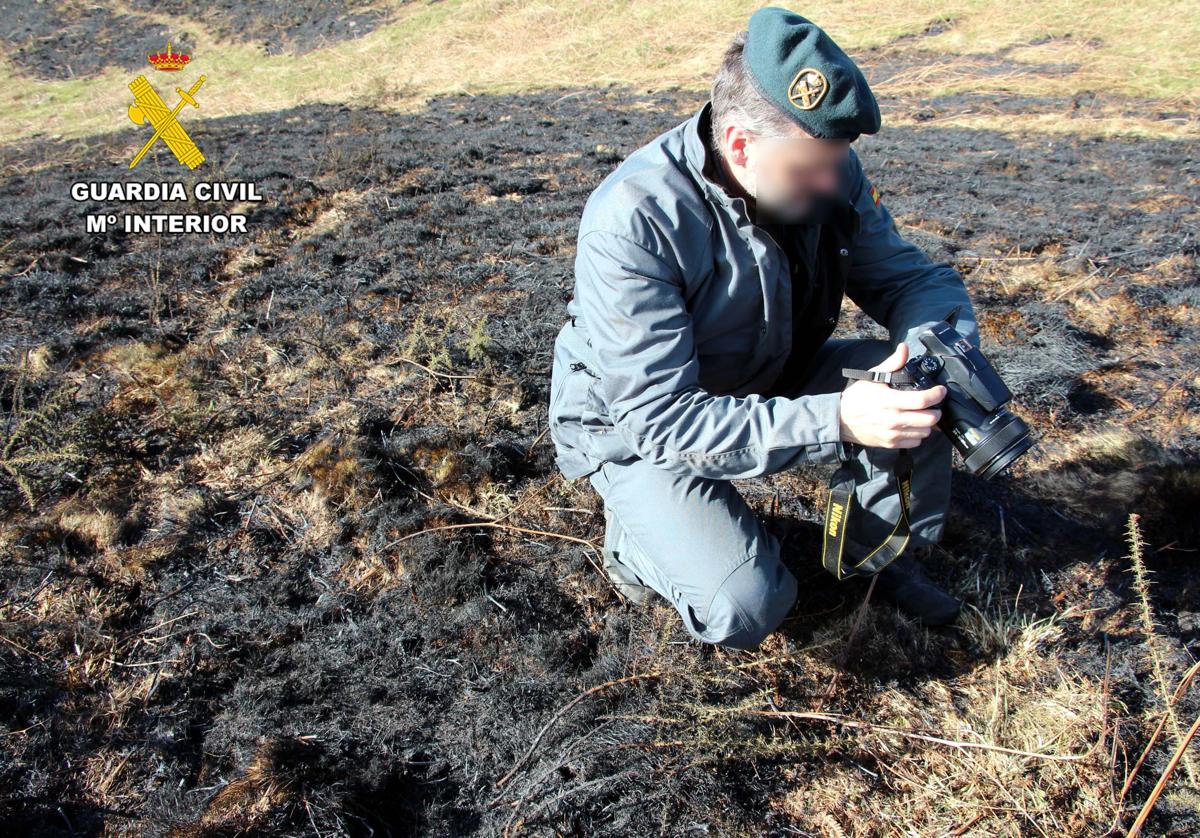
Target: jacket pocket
[
  {"x": 565, "y": 427},
  {"x": 566, "y": 396},
  {"x": 578, "y": 415}
]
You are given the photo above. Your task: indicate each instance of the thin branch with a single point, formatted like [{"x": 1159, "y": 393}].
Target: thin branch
[
  {"x": 562, "y": 711},
  {"x": 494, "y": 525},
  {"x": 1162, "y": 723},
  {"x": 435, "y": 372},
  {"x": 845, "y": 721},
  {"x": 1138, "y": 414},
  {"x": 1162, "y": 780}
]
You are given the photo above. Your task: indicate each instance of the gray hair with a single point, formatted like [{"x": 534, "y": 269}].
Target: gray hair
[{"x": 735, "y": 101}]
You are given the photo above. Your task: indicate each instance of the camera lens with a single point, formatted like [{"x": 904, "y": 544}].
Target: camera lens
[{"x": 996, "y": 445}]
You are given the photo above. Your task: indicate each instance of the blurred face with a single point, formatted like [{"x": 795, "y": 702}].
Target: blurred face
[{"x": 787, "y": 177}]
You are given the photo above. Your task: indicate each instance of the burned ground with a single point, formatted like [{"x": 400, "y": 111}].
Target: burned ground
[
  {"x": 280, "y": 26},
  {"x": 63, "y": 39},
  {"x": 240, "y": 595}
]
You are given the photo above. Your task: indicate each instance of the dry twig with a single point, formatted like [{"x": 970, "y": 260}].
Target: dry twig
[{"x": 561, "y": 712}]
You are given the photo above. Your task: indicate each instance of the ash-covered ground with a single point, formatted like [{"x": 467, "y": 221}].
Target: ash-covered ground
[
  {"x": 239, "y": 595},
  {"x": 65, "y": 39}
]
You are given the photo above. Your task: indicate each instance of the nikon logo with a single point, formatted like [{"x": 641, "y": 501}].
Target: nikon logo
[{"x": 836, "y": 510}]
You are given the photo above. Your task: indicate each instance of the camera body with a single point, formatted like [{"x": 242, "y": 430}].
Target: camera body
[{"x": 988, "y": 436}]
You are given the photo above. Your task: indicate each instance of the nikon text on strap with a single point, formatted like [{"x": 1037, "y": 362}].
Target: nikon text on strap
[{"x": 837, "y": 515}]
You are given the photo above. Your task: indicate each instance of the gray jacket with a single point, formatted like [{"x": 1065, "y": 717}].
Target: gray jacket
[{"x": 681, "y": 319}]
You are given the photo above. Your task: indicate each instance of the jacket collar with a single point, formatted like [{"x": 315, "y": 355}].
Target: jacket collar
[{"x": 701, "y": 162}]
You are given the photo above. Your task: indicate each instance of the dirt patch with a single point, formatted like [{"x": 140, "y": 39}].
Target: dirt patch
[{"x": 239, "y": 595}]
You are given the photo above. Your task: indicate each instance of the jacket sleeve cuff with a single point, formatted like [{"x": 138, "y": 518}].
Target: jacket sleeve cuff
[{"x": 817, "y": 428}]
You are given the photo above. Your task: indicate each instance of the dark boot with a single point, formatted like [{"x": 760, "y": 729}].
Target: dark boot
[
  {"x": 905, "y": 585},
  {"x": 625, "y": 580}
]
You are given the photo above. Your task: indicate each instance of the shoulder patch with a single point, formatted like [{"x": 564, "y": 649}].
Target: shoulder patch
[{"x": 875, "y": 195}]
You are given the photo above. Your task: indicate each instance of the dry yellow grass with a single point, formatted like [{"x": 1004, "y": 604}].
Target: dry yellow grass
[
  {"x": 1147, "y": 49},
  {"x": 1018, "y": 745}
]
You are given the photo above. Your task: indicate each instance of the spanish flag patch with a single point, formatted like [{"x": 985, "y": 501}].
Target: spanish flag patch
[{"x": 875, "y": 195}]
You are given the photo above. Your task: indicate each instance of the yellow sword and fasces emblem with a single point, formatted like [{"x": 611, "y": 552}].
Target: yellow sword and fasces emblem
[
  {"x": 148, "y": 106},
  {"x": 808, "y": 88}
]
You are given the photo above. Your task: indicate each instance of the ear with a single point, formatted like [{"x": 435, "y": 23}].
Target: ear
[{"x": 736, "y": 140}]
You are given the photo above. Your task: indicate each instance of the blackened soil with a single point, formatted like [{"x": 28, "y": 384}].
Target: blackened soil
[
  {"x": 293, "y": 26},
  {"x": 62, "y": 39},
  {"x": 245, "y": 678}
]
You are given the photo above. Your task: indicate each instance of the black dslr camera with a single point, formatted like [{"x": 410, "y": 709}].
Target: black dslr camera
[{"x": 988, "y": 436}]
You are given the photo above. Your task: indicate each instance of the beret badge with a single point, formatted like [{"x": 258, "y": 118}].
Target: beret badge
[
  {"x": 796, "y": 66},
  {"x": 808, "y": 88}
]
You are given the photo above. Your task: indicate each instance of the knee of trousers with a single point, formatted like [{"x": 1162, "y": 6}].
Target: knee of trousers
[{"x": 750, "y": 602}]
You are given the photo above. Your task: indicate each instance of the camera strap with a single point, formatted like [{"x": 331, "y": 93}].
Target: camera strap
[
  {"x": 890, "y": 378},
  {"x": 838, "y": 509}
]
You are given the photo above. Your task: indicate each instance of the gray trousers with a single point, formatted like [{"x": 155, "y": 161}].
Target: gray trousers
[{"x": 697, "y": 542}]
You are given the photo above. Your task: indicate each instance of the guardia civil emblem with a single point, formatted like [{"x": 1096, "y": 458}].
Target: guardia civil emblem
[
  {"x": 148, "y": 106},
  {"x": 808, "y": 88}
]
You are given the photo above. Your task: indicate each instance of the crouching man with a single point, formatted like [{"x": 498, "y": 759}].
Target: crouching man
[{"x": 710, "y": 273}]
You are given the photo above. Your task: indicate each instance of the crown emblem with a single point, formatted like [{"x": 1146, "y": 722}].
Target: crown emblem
[{"x": 170, "y": 61}]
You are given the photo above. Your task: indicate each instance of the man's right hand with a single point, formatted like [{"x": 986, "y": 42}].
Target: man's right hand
[{"x": 876, "y": 416}]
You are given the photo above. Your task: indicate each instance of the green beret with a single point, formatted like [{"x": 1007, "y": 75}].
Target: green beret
[{"x": 799, "y": 68}]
